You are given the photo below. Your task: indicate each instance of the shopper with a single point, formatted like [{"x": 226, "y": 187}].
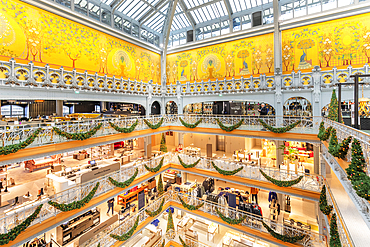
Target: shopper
[
  {"x": 263, "y": 110},
  {"x": 110, "y": 205}
]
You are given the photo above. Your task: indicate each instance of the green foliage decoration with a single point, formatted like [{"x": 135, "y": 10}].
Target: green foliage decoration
[
  {"x": 188, "y": 206},
  {"x": 333, "y": 107},
  {"x": 183, "y": 242},
  {"x": 160, "y": 185},
  {"x": 154, "y": 126},
  {"x": 229, "y": 128},
  {"x": 5, "y": 238},
  {"x": 78, "y": 136},
  {"x": 13, "y": 148},
  {"x": 170, "y": 225},
  {"x": 163, "y": 146},
  {"x": 163, "y": 243},
  {"x": 155, "y": 169},
  {"x": 283, "y": 238},
  {"x": 334, "y": 235},
  {"x": 128, "y": 234},
  {"x": 156, "y": 212},
  {"x": 279, "y": 130},
  {"x": 75, "y": 205},
  {"x": 333, "y": 143},
  {"x": 124, "y": 130},
  {"x": 226, "y": 173},
  {"x": 324, "y": 207},
  {"x": 126, "y": 183},
  {"x": 191, "y": 126},
  {"x": 343, "y": 148},
  {"x": 230, "y": 221},
  {"x": 324, "y": 134},
  {"x": 188, "y": 166},
  {"x": 282, "y": 183}
]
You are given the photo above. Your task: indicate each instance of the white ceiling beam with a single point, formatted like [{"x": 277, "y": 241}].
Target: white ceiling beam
[
  {"x": 229, "y": 9},
  {"x": 168, "y": 25},
  {"x": 187, "y": 14},
  {"x": 152, "y": 11}
]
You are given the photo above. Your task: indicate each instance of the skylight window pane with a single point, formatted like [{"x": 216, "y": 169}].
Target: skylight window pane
[
  {"x": 124, "y": 5},
  {"x": 206, "y": 14},
  {"x": 195, "y": 16},
  {"x": 233, "y": 6},
  {"x": 299, "y": 8},
  {"x": 135, "y": 9},
  {"x": 189, "y": 3},
  {"x": 211, "y": 12},
  {"x": 236, "y": 24},
  {"x": 201, "y": 17},
  {"x": 254, "y": 3},
  {"x": 328, "y": 4},
  {"x": 207, "y": 32},
  {"x": 139, "y": 11},
  {"x": 225, "y": 28},
  {"x": 342, "y": 3},
  {"x": 314, "y": 6},
  {"x": 242, "y": 3},
  {"x": 259, "y": 2},
  {"x": 246, "y": 22},
  {"x": 220, "y": 8}
]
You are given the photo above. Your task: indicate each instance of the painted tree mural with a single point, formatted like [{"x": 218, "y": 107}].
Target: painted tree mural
[
  {"x": 327, "y": 50},
  {"x": 288, "y": 55},
  {"x": 269, "y": 60},
  {"x": 34, "y": 40},
  {"x": 366, "y": 43},
  {"x": 257, "y": 60}
]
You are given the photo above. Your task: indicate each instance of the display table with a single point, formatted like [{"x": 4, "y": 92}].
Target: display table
[
  {"x": 123, "y": 199},
  {"x": 194, "y": 151},
  {"x": 43, "y": 163}
]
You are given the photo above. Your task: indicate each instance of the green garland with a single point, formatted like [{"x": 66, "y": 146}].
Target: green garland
[
  {"x": 230, "y": 221},
  {"x": 334, "y": 235},
  {"x": 183, "y": 243},
  {"x": 126, "y": 183},
  {"x": 343, "y": 148},
  {"x": 333, "y": 143},
  {"x": 124, "y": 130},
  {"x": 283, "y": 238},
  {"x": 227, "y": 173},
  {"x": 163, "y": 147},
  {"x": 188, "y": 166},
  {"x": 324, "y": 134},
  {"x": 163, "y": 243},
  {"x": 78, "y": 136},
  {"x": 188, "y": 206},
  {"x": 156, "y": 212},
  {"x": 282, "y": 183},
  {"x": 229, "y": 128},
  {"x": 155, "y": 169},
  {"x": 5, "y": 238},
  {"x": 75, "y": 205},
  {"x": 323, "y": 204},
  {"x": 160, "y": 186},
  {"x": 279, "y": 130},
  {"x": 128, "y": 234},
  {"x": 191, "y": 126},
  {"x": 170, "y": 225},
  {"x": 154, "y": 126},
  {"x": 13, "y": 148}
]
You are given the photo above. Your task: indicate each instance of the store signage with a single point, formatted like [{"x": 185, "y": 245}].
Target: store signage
[
  {"x": 96, "y": 230},
  {"x": 99, "y": 172},
  {"x": 236, "y": 108}
]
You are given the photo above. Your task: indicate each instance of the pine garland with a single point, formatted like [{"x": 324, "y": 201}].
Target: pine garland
[
  {"x": 333, "y": 143},
  {"x": 128, "y": 234},
  {"x": 188, "y": 206},
  {"x": 163, "y": 243},
  {"x": 334, "y": 235},
  {"x": 126, "y": 183},
  {"x": 124, "y": 130},
  {"x": 156, "y": 212},
  {"x": 78, "y": 136},
  {"x": 283, "y": 238},
  {"x": 190, "y": 165},
  {"x": 282, "y": 183},
  {"x": 191, "y": 126},
  {"x": 343, "y": 148},
  {"x": 324, "y": 134},
  {"x": 226, "y": 173},
  {"x": 154, "y": 126},
  {"x": 170, "y": 225},
  {"x": 229, "y": 128},
  {"x": 163, "y": 146},
  {"x": 333, "y": 107},
  {"x": 279, "y": 130},
  {"x": 5, "y": 238},
  {"x": 183, "y": 243},
  {"x": 160, "y": 185},
  {"x": 75, "y": 205},
  {"x": 155, "y": 169},
  {"x": 324, "y": 207},
  {"x": 13, "y": 148},
  {"x": 230, "y": 221}
]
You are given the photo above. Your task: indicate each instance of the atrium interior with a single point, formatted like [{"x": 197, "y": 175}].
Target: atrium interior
[{"x": 184, "y": 123}]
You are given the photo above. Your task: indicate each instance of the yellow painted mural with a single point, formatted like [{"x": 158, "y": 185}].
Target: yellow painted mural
[
  {"x": 232, "y": 59},
  {"x": 28, "y": 33},
  {"x": 339, "y": 43}
]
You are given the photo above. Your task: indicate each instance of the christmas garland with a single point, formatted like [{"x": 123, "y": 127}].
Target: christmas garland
[
  {"x": 163, "y": 243},
  {"x": 13, "y": 148},
  {"x": 229, "y": 128},
  {"x": 333, "y": 143},
  {"x": 279, "y": 130},
  {"x": 334, "y": 235},
  {"x": 227, "y": 173},
  {"x": 124, "y": 130},
  {"x": 78, "y": 136},
  {"x": 283, "y": 238},
  {"x": 343, "y": 147},
  {"x": 188, "y": 206},
  {"x": 282, "y": 183},
  {"x": 324, "y": 134},
  {"x": 156, "y": 212},
  {"x": 155, "y": 169},
  {"x": 323, "y": 204},
  {"x": 170, "y": 225},
  {"x": 126, "y": 183},
  {"x": 191, "y": 126},
  {"x": 188, "y": 166},
  {"x": 154, "y": 126},
  {"x": 183, "y": 243},
  {"x": 13, "y": 233},
  {"x": 230, "y": 221},
  {"x": 128, "y": 234},
  {"x": 75, "y": 205}
]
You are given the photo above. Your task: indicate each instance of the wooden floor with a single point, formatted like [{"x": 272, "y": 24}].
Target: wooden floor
[{"x": 64, "y": 146}]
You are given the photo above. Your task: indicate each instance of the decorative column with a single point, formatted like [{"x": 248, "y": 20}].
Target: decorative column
[
  {"x": 279, "y": 153},
  {"x": 147, "y": 147},
  {"x": 316, "y": 158},
  {"x": 103, "y": 106},
  {"x": 180, "y": 107},
  {"x": 278, "y": 99},
  {"x": 59, "y": 108},
  {"x": 316, "y": 96}
]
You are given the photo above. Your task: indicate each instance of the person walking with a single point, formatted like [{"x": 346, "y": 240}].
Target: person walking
[
  {"x": 110, "y": 205},
  {"x": 263, "y": 110}
]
